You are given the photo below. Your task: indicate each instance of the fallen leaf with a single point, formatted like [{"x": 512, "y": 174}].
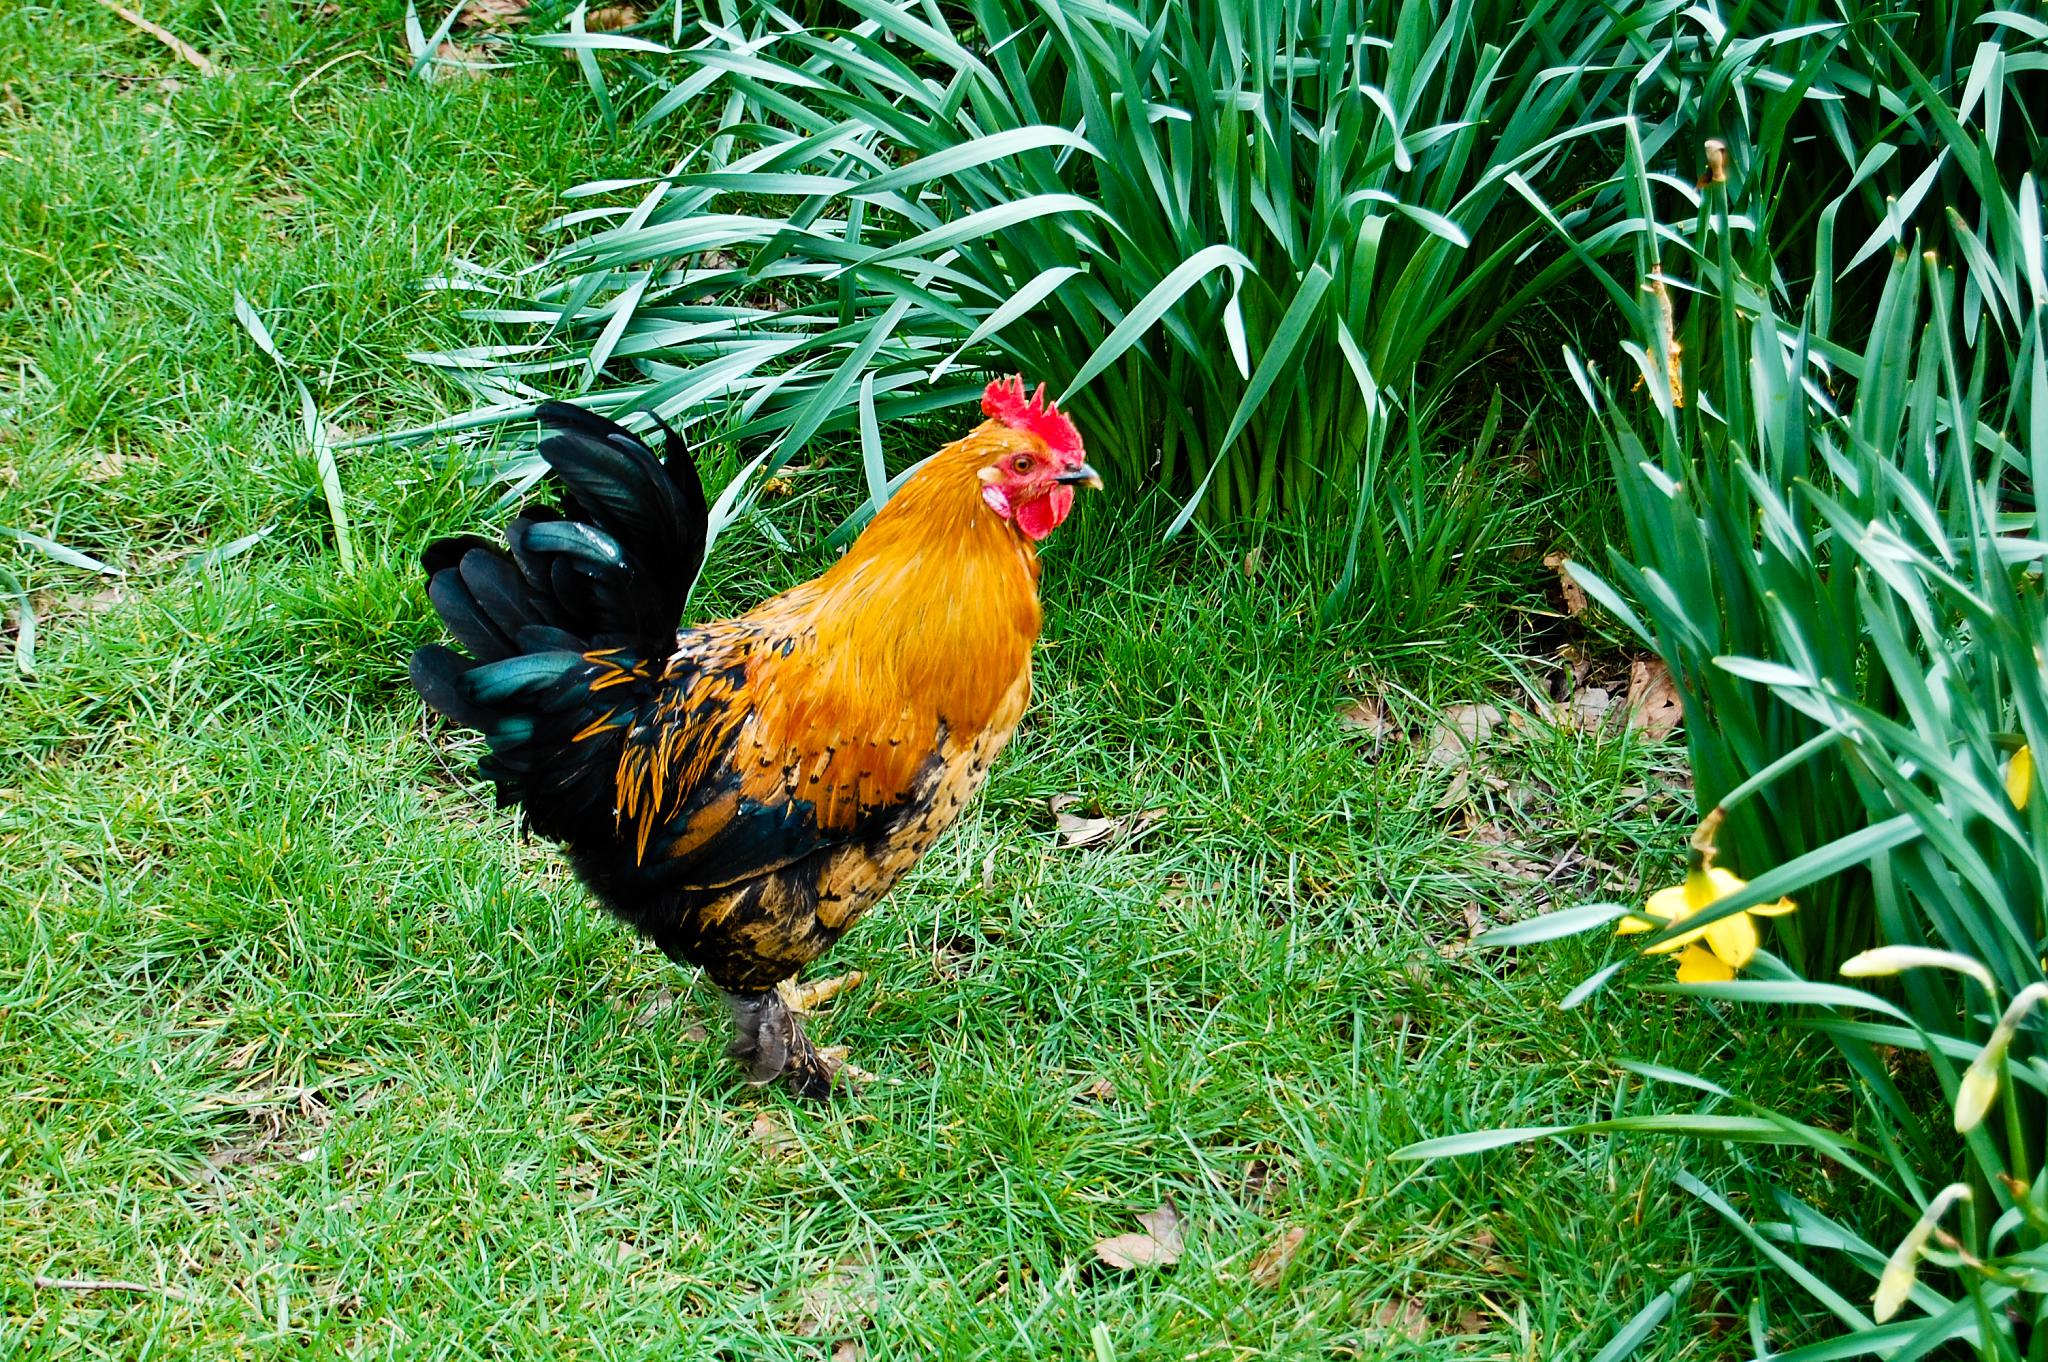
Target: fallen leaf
[
  {"x": 1586, "y": 711},
  {"x": 1273, "y": 1261},
  {"x": 1078, "y": 831},
  {"x": 491, "y": 13},
  {"x": 1457, "y": 791},
  {"x": 1486, "y": 1248},
  {"x": 1654, "y": 708},
  {"x": 848, "y": 1350},
  {"x": 611, "y": 18},
  {"x": 838, "y": 1065},
  {"x": 1101, "y": 1090},
  {"x": 810, "y": 995},
  {"x": 1159, "y": 1245},
  {"x": 1574, "y": 595},
  {"x": 583, "y": 1177},
  {"x": 1460, "y": 732},
  {"x": 1263, "y": 1181},
  {"x": 774, "y": 1138},
  {"x": 1475, "y": 920},
  {"x": 1471, "y": 1322},
  {"x": 661, "y": 1002},
  {"x": 1402, "y": 1316},
  {"x": 843, "y": 1298},
  {"x": 457, "y": 61},
  {"x": 1367, "y": 717}
]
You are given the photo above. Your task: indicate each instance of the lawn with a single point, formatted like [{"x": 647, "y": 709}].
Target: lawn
[{"x": 300, "y": 1037}]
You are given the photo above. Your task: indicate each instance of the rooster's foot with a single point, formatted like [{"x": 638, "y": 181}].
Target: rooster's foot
[{"x": 769, "y": 1043}]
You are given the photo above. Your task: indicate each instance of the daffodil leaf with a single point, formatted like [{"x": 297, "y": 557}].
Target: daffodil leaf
[
  {"x": 1591, "y": 986},
  {"x": 1633, "y": 1333},
  {"x": 1727, "y": 1129},
  {"x": 1844, "y": 1310},
  {"x": 1784, "y": 993},
  {"x": 1476, "y": 1142},
  {"x": 1569, "y": 922},
  {"x": 1664, "y": 1074}
]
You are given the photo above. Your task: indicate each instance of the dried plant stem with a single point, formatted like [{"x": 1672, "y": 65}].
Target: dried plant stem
[
  {"x": 185, "y": 50},
  {"x": 42, "y": 1283}
]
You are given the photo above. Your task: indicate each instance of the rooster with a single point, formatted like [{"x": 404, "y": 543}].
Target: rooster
[{"x": 743, "y": 790}]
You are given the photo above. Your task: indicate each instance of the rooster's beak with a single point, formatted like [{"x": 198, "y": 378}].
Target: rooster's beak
[{"x": 1084, "y": 475}]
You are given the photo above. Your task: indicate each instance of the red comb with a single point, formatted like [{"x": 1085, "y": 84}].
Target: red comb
[{"x": 1005, "y": 401}]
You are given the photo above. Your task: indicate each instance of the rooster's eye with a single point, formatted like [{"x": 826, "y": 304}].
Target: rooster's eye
[{"x": 1022, "y": 463}]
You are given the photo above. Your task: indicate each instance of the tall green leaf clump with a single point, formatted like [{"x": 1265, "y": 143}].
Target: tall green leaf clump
[
  {"x": 1830, "y": 439},
  {"x": 1230, "y": 238}
]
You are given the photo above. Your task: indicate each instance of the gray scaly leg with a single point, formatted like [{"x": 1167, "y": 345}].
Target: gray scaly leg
[{"x": 770, "y": 1043}]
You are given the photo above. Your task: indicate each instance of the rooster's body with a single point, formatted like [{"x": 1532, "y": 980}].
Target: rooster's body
[{"x": 743, "y": 791}]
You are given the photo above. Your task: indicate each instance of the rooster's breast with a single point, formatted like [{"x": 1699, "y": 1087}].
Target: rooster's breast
[{"x": 751, "y": 935}]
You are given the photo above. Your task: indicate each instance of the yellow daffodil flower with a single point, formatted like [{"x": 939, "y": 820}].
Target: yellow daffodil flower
[
  {"x": 1713, "y": 953},
  {"x": 2019, "y": 777}
]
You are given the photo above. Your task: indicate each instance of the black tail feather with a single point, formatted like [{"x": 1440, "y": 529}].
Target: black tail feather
[
  {"x": 612, "y": 570},
  {"x": 466, "y": 619},
  {"x": 437, "y": 674}
]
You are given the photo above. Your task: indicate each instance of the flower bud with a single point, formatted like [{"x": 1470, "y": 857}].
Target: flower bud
[
  {"x": 1979, "y": 1087},
  {"x": 1902, "y": 1269},
  {"x": 1888, "y": 960}
]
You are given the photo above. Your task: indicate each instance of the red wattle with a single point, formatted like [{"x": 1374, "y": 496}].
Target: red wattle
[{"x": 1040, "y": 516}]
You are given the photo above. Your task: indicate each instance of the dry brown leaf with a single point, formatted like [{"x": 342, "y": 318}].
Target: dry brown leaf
[
  {"x": 1574, "y": 595},
  {"x": 1461, "y": 731},
  {"x": 1486, "y": 1248},
  {"x": 1403, "y": 1316},
  {"x": 661, "y": 1002},
  {"x": 1159, "y": 1244},
  {"x": 1263, "y": 1181},
  {"x": 1457, "y": 791},
  {"x": 813, "y": 994},
  {"x": 1367, "y": 717},
  {"x": 774, "y": 1138},
  {"x": 1654, "y": 708},
  {"x": 491, "y": 14},
  {"x": 1586, "y": 711},
  {"x": 108, "y": 464},
  {"x": 611, "y": 18},
  {"x": 1101, "y": 1090},
  {"x": 840, "y": 1301},
  {"x": 1271, "y": 1265},
  {"x": 457, "y": 62},
  {"x": 1475, "y": 920},
  {"x": 848, "y": 1350},
  {"x": 838, "y": 1065},
  {"x": 1079, "y": 831}
]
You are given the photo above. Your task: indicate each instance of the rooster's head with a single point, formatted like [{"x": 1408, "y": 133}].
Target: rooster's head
[{"x": 1036, "y": 458}]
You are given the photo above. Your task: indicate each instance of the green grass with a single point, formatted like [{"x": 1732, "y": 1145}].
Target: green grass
[{"x": 293, "y": 1023}]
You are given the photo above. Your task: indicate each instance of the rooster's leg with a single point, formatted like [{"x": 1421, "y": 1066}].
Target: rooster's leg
[{"x": 769, "y": 1042}]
